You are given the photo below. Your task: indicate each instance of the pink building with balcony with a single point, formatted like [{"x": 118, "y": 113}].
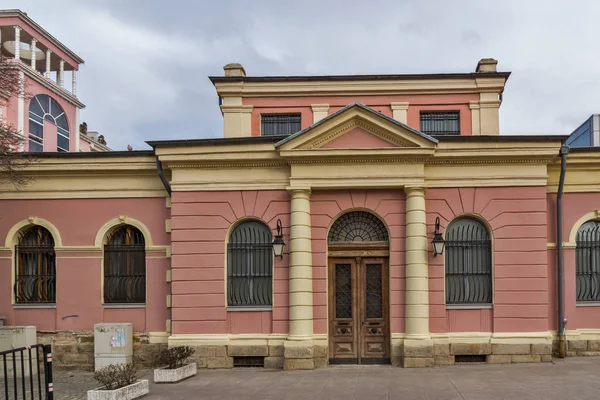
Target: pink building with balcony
[
  {"x": 414, "y": 232},
  {"x": 46, "y": 114}
]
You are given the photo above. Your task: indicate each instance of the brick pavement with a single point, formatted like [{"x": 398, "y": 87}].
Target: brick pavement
[{"x": 574, "y": 378}]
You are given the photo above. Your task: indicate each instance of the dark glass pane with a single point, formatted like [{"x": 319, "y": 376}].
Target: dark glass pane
[
  {"x": 250, "y": 265},
  {"x": 62, "y": 143},
  {"x": 468, "y": 263},
  {"x": 36, "y": 129},
  {"x": 49, "y": 118},
  {"x": 125, "y": 266},
  {"x": 34, "y": 107},
  {"x": 55, "y": 108},
  {"x": 440, "y": 122},
  {"x": 358, "y": 226},
  {"x": 343, "y": 291},
  {"x": 61, "y": 122},
  {"x": 280, "y": 124},
  {"x": 374, "y": 293},
  {"x": 44, "y": 102},
  {"x": 34, "y": 145}
]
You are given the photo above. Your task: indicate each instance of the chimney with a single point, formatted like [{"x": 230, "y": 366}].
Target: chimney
[
  {"x": 486, "y": 65},
  {"x": 234, "y": 69}
]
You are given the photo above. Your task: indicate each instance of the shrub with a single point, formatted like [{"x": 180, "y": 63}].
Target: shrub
[
  {"x": 116, "y": 376},
  {"x": 174, "y": 357}
]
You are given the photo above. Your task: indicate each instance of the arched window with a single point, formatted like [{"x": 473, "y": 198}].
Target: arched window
[
  {"x": 468, "y": 263},
  {"x": 43, "y": 107},
  {"x": 587, "y": 262},
  {"x": 125, "y": 266},
  {"x": 358, "y": 226},
  {"x": 35, "y": 272},
  {"x": 250, "y": 265}
]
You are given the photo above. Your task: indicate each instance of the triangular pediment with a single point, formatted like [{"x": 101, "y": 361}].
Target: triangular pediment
[{"x": 357, "y": 126}]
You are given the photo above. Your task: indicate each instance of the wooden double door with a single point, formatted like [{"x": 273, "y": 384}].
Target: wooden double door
[{"x": 359, "y": 327}]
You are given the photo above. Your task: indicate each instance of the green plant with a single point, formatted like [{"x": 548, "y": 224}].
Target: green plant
[
  {"x": 116, "y": 376},
  {"x": 175, "y": 357}
]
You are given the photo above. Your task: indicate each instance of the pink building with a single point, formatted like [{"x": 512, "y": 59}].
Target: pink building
[
  {"x": 363, "y": 178},
  {"x": 46, "y": 115}
]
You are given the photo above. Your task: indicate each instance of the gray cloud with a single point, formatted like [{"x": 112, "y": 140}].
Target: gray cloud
[{"x": 147, "y": 61}]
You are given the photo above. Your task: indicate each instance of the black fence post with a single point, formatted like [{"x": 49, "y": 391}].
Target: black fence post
[{"x": 48, "y": 372}]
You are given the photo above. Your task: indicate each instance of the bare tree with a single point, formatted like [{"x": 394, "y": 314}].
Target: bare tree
[{"x": 12, "y": 162}]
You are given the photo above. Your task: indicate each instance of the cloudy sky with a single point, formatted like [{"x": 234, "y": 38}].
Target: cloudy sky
[{"x": 147, "y": 61}]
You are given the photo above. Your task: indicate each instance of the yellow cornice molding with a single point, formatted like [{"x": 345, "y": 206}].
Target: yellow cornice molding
[{"x": 358, "y": 87}]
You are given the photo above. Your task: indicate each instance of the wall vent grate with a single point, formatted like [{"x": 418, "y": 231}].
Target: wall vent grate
[
  {"x": 248, "y": 362},
  {"x": 469, "y": 358}
]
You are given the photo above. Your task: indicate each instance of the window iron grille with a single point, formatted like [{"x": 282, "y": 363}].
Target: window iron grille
[
  {"x": 440, "y": 122},
  {"x": 250, "y": 265},
  {"x": 468, "y": 263},
  {"x": 35, "y": 272},
  {"x": 358, "y": 226},
  {"x": 587, "y": 262},
  {"x": 248, "y": 362},
  {"x": 125, "y": 266},
  {"x": 280, "y": 124},
  {"x": 469, "y": 358}
]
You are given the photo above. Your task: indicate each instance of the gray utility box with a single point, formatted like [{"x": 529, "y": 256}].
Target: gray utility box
[
  {"x": 113, "y": 344},
  {"x": 14, "y": 337}
]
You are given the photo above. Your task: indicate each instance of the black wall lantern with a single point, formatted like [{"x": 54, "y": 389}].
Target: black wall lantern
[
  {"x": 438, "y": 239},
  {"x": 278, "y": 243}
]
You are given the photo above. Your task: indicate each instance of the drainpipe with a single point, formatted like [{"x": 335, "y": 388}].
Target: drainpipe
[
  {"x": 564, "y": 150},
  {"x": 162, "y": 177}
]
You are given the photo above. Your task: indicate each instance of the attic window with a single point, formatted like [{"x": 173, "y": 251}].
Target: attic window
[
  {"x": 440, "y": 122},
  {"x": 279, "y": 124}
]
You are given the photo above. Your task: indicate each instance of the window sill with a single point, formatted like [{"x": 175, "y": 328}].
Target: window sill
[
  {"x": 588, "y": 304},
  {"x": 124, "y": 305},
  {"x": 469, "y": 306},
  {"x": 236, "y": 309},
  {"x": 34, "y": 306}
]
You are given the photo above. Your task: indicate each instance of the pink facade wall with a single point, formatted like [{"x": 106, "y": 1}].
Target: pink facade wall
[
  {"x": 454, "y": 102},
  {"x": 517, "y": 218},
  {"x": 79, "y": 272},
  {"x": 200, "y": 225},
  {"x": 389, "y": 206},
  {"x": 575, "y": 206}
]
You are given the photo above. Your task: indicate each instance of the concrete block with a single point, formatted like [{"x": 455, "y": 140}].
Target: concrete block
[
  {"x": 298, "y": 350},
  {"x": 470, "y": 348},
  {"x": 577, "y": 345},
  {"x": 500, "y": 348},
  {"x": 219, "y": 362},
  {"x": 441, "y": 349},
  {"x": 291, "y": 364},
  {"x": 593, "y": 345},
  {"x": 321, "y": 362},
  {"x": 321, "y": 351},
  {"x": 525, "y": 359},
  {"x": 418, "y": 362},
  {"x": 546, "y": 358},
  {"x": 274, "y": 362},
  {"x": 541, "y": 348},
  {"x": 498, "y": 359},
  {"x": 247, "y": 351},
  {"x": 276, "y": 351},
  {"x": 418, "y": 351},
  {"x": 210, "y": 351},
  {"x": 443, "y": 360}
]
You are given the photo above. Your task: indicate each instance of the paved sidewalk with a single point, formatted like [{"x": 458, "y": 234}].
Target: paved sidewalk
[{"x": 574, "y": 378}]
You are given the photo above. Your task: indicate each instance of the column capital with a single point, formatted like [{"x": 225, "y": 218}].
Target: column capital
[
  {"x": 399, "y": 105},
  {"x": 474, "y": 105},
  {"x": 297, "y": 192},
  {"x": 414, "y": 190},
  {"x": 320, "y": 107}
]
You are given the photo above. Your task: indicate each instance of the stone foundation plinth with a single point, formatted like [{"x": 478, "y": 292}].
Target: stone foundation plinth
[
  {"x": 75, "y": 349},
  {"x": 581, "y": 347}
]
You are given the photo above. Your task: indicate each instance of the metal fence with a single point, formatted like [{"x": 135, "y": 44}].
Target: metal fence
[{"x": 22, "y": 373}]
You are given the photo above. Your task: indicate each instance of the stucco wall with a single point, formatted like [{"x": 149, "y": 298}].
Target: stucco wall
[
  {"x": 79, "y": 264},
  {"x": 517, "y": 218},
  {"x": 575, "y": 207},
  {"x": 200, "y": 225},
  {"x": 326, "y": 206}
]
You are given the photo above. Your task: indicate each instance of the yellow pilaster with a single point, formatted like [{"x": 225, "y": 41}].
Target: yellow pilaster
[
  {"x": 417, "y": 295},
  {"x": 301, "y": 296}
]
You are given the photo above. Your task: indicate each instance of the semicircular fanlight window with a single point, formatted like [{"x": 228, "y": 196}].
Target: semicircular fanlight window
[{"x": 358, "y": 226}]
